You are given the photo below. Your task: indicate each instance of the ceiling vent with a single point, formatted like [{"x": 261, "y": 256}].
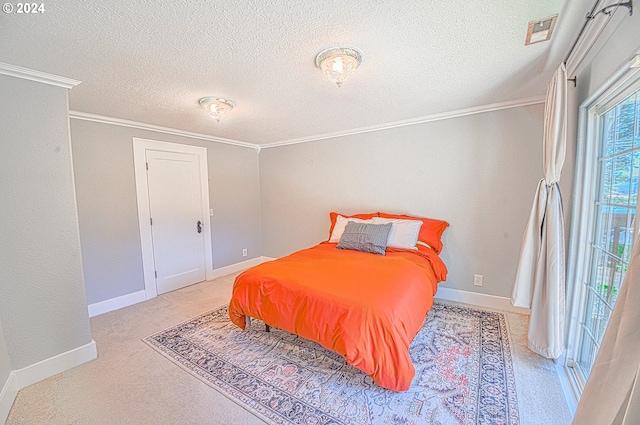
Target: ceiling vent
[{"x": 540, "y": 30}]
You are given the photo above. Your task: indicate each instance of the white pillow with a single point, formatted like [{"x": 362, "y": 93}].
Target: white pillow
[
  {"x": 403, "y": 234},
  {"x": 424, "y": 244},
  {"x": 341, "y": 223}
]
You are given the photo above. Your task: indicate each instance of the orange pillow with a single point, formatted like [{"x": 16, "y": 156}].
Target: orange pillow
[
  {"x": 334, "y": 216},
  {"x": 430, "y": 232}
]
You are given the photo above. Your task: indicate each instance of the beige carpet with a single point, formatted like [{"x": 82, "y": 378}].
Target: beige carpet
[{"x": 130, "y": 383}]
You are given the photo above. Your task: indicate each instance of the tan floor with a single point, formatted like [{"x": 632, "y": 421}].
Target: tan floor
[{"x": 130, "y": 383}]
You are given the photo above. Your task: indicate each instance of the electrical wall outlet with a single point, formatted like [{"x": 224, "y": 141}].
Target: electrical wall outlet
[
  {"x": 244, "y": 252},
  {"x": 477, "y": 279}
]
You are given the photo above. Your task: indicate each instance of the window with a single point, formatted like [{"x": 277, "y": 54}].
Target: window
[{"x": 612, "y": 209}]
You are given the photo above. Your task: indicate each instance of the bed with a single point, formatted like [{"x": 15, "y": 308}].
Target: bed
[{"x": 363, "y": 306}]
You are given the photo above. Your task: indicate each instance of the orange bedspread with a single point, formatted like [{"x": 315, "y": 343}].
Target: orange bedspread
[{"x": 366, "y": 307}]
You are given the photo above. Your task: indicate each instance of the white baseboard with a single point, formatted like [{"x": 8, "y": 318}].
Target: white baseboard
[
  {"x": 21, "y": 378},
  {"x": 56, "y": 364},
  {"x": 482, "y": 300},
  {"x": 7, "y": 396},
  {"x": 449, "y": 294},
  {"x": 116, "y": 303},
  {"x": 237, "y": 267},
  {"x": 126, "y": 300}
]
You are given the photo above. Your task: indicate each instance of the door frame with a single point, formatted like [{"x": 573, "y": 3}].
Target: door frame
[{"x": 140, "y": 146}]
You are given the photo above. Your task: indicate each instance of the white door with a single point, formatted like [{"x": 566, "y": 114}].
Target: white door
[{"x": 175, "y": 206}]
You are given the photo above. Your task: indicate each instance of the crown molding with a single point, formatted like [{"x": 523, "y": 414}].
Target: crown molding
[
  {"x": 40, "y": 77},
  {"x": 404, "y": 123},
  {"x": 414, "y": 121},
  {"x": 151, "y": 127}
]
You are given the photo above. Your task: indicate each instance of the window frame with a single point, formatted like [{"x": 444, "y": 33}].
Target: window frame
[{"x": 623, "y": 83}]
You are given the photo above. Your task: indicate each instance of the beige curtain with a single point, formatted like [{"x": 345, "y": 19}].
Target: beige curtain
[
  {"x": 612, "y": 393},
  {"x": 540, "y": 278}
]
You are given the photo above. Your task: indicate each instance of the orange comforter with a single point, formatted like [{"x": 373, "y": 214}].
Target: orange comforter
[{"x": 366, "y": 307}]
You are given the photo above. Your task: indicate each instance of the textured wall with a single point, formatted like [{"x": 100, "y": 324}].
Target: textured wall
[
  {"x": 107, "y": 207},
  {"x": 42, "y": 297},
  {"x": 477, "y": 172}
]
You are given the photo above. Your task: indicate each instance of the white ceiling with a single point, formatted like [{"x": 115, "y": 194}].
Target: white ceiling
[{"x": 150, "y": 61}]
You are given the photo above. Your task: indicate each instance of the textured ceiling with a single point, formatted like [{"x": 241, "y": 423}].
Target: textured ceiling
[{"x": 150, "y": 61}]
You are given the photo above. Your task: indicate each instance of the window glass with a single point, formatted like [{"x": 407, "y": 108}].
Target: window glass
[{"x": 613, "y": 229}]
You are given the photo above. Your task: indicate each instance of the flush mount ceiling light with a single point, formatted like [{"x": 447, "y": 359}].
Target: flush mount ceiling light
[
  {"x": 217, "y": 107},
  {"x": 337, "y": 63}
]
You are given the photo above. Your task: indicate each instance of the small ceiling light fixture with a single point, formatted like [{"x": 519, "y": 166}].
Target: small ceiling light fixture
[
  {"x": 217, "y": 107},
  {"x": 337, "y": 63}
]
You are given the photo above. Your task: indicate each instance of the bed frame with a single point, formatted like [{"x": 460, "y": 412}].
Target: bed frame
[{"x": 247, "y": 319}]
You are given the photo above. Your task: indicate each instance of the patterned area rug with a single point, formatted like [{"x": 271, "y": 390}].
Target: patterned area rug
[{"x": 464, "y": 372}]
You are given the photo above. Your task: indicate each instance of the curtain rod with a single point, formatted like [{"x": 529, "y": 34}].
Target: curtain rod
[{"x": 607, "y": 10}]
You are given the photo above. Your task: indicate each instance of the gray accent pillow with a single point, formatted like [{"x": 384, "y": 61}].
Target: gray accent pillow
[{"x": 365, "y": 237}]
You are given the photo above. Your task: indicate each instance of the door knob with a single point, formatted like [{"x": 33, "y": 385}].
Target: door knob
[{"x": 199, "y": 226}]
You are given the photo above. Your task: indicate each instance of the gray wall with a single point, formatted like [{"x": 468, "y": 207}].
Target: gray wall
[
  {"x": 477, "y": 172},
  {"x": 107, "y": 207},
  {"x": 43, "y": 306}
]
